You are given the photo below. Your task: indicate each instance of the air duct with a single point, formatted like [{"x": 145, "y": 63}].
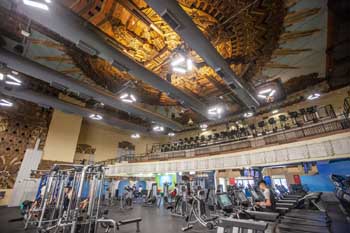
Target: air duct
[
  {"x": 43, "y": 73},
  {"x": 174, "y": 15},
  {"x": 45, "y": 100},
  {"x": 75, "y": 29}
]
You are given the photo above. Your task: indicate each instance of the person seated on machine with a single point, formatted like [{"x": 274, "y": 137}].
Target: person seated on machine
[{"x": 267, "y": 204}]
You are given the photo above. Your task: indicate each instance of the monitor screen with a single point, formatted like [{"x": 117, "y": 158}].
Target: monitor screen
[{"x": 224, "y": 200}]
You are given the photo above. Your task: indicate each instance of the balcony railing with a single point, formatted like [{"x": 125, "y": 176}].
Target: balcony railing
[{"x": 322, "y": 128}]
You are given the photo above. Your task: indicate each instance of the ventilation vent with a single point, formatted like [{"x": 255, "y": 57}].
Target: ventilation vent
[
  {"x": 171, "y": 20},
  {"x": 86, "y": 48},
  {"x": 119, "y": 66}
]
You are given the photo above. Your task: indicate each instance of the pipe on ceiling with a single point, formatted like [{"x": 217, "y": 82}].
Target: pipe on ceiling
[
  {"x": 182, "y": 23},
  {"x": 55, "y": 103},
  {"x": 86, "y": 37},
  {"x": 43, "y": 73}
]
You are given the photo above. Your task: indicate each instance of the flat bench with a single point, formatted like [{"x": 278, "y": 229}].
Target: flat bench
[{"x": 129, "y": 221}]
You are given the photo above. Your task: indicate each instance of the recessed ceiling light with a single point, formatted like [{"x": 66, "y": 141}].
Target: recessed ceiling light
[
  {"x": 158, "y": 128},
  {"x": 275, "y": 111},
  {"x": 135, "y": 135},
  {"x": 248, "y": 114},
  {"x": 5, "y": 103},
  {"x": 171, "y": 134},
  {"x": 96, "y": 117},
  {"x": 313, "y": 96},
  {"x": 36, "y": 4}
]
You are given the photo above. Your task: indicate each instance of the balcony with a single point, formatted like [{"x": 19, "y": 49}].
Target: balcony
[{"x": 308, "y": 131}]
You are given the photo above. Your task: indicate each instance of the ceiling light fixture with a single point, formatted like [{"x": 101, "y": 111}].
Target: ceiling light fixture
[
  {"x": 178, "y": 61},
  {"x": 181, "y": 64},
  {"x": 189, "y": 64},
  {"x": 313, "y": 96},
  {"x": 5, "y": 103},
  {"x": 36, "y": 4},
  {"x": 267, "y": 94},
  {"x": 128, "y": 98},
  {"x": 275, "y": 111},
  {"x": 158, "y": 128},
  {"x": 135, "y": 135},
  {"x": 171, "y": 134},
  {"x": 248, "y": 114},
  {"x": 14, "y": 79},
  {"x": 203, "y": 127},
  {"x": 215, "y": 111},
  {"x": 1, "y": 76},
  {"x": 179, "y": 70},
  {"x": 265, "y": 91},
  {"x": 12, "y": 83},
  {"x": 25, "y": 33},
  {"x": 96, "y": 117}
]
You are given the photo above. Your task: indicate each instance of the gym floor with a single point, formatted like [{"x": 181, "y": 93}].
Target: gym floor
[{"x": 153, "y": 220}]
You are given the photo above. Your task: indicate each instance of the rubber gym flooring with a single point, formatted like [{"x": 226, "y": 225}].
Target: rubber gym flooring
[{"x": 154, "y": 220}]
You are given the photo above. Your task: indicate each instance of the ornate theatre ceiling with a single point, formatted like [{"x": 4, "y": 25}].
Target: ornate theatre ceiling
[{"x": 261, "y": 40}]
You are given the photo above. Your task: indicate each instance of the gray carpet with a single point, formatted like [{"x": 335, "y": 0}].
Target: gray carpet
[{"x": 153, "y": 220}]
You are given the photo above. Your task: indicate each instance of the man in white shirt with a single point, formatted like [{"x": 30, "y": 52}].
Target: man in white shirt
[{"x": 267, "y": 203}]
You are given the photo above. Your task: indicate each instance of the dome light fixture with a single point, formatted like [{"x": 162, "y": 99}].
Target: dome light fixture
[
  {"x": 313, "y": 96},
  {"x": 96, "y": 117},
  {"x": 135, "y": 136},
  {"x": 5, "y": 103}
]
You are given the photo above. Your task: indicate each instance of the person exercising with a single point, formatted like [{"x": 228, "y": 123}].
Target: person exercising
[{"x": 267, "y": 203}]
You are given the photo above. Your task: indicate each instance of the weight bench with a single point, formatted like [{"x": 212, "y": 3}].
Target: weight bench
[{"x": 129, "y": 221}]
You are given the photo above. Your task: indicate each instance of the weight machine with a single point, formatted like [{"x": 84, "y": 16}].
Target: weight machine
[{"x": 69, "y": 199}]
